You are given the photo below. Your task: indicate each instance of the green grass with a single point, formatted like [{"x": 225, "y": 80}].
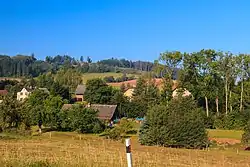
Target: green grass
[
  {"x": 231, "y": 134},
  {"x": 87, "y": 76}
]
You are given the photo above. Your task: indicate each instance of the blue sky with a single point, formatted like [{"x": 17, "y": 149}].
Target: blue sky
[{"x": 131, "y": 29}]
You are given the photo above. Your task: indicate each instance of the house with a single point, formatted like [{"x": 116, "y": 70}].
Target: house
[
  {"x": 105, "y": 112},
  {"x": 79, "y": 93},
  {"x": 23, "y": 94},
  {"x": 129, "y": 93},
  {"x": 184, "y": 92},
  {"x": 3, "y": 93}
]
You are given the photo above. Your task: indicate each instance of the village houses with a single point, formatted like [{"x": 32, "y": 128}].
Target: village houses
[{"x": 23, "y": 94}]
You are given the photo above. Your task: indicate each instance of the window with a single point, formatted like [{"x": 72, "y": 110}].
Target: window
[{"x": 21, "y": 93}]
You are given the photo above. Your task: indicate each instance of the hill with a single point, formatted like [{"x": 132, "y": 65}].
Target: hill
[{"x": 23, "y": 65}]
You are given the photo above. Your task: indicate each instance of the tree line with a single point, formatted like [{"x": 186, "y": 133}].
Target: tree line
[{"x": 23, "y": 65}]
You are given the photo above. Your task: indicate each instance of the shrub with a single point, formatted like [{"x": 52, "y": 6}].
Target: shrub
[
  {"x": 180, "y": 124},
  {"x": 233, "y": 121},
  {"x": 80, "y": 119},
  {"x": 120, "y": 130},
  {"x": 246, "y": 135},
  {"x": 109, "y": 79},
  {"x": 98, "y": 127}
]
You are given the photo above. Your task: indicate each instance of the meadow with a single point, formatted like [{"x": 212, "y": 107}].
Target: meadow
[
  {"x": 88, "y": 76},
  {"x": 72, "y": 149}
]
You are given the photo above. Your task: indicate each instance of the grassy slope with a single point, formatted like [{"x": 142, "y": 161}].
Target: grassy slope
[
  {"x": 87, "y": 76},
  {"x": 231, "y": 134},
  {"x": 69, "y": 149}
]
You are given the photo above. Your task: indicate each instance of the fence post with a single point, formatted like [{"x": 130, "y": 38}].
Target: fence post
[{"x": 128, "y": 152}]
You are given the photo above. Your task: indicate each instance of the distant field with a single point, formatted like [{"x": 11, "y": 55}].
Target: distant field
[
  {"x": 10, "y": 78},
  {"x": 87, "y": 76},
  {"x": 232, "y": 134},
  {"x": 66, "y": 149}
]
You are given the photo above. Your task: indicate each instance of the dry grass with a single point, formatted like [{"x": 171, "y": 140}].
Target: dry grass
[{"x": 68, "y": 149}]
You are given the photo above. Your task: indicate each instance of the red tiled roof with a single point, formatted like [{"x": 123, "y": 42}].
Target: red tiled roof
[
  {"x": 158, "y": 82},
  {"x": 3, "y": 92}
]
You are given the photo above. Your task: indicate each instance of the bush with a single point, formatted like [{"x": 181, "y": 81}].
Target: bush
[
  {"x": 233, "y": 121},
  {"x": 109, "y": 79},
  {"x": 180, "y": 124},
  {"x": 120, "y": 130},
  {"x": 246, "y": 135},
  {"x": 98, "y": 128},
  {"x": 80, "y": 119}
]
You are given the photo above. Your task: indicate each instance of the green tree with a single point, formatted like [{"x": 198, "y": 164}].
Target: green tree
[
  {"x": 166, "y": 67},
  {"x": 35, "y": 110},
  {"x": 97, "y": 91},
  {"x": 10, "y": 113},
  {"x": 89, "y": 60},
  {"x": 69, "y": 78},
  {"x": 80, "y": 119},
  {"x": 180, "y": 124},
  {"x": 53, "y": 105}
]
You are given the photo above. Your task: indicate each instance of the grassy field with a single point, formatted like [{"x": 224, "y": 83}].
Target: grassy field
[
  {"x": 88, "y": 76},
  {"x": 71, "y": 149},
  {"x": 231, "y": 134}
]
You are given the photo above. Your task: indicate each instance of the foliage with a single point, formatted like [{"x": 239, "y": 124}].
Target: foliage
[
  {"x": 120, "y": 130},
  {"x": 97, "y": 91},
  {"x": 180, "y": 124},
  {"x": 234, "y": 120},
  {"x": 246, "y": 135},
  {"x": 55, "y": 88},
  {"x": 78, "y": 118},
  {"x": 10, "y": 113},
  {"x": 68, "y": 78},
  {"x": 34, "y": 109}
]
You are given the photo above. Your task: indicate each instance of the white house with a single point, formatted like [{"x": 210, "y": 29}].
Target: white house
[
  {"x": 182, "y": 92},
  {"x": 23, "y": 94}
]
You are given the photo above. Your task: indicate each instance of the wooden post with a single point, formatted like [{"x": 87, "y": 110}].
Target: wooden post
[{"x": 128, "y": 152}]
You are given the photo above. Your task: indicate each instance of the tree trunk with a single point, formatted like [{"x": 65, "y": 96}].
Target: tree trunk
[
  {"x": 217, "y": 105},
  {"x": 241, "y": 95},
  {"x": 206, "y": 106},
  {"x": 226, "y": 94},
  {"x": 230, "y": 104}
]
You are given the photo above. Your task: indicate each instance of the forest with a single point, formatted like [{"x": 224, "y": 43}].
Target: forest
[{"x": 23, "y": 65}]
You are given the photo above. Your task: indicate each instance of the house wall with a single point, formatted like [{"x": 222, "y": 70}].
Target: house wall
[
  {"x": 22, "y": 95},
  {"x": 79, "y": 97}
]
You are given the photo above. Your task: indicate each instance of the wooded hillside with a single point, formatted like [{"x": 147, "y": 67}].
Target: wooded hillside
[{"x": 23, "y": 65}]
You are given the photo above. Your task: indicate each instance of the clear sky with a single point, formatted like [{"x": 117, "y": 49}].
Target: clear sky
[{"x": 131, "y": 29}]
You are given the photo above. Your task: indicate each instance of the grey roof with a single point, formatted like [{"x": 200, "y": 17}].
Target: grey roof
[
  {"x": 80, "y": 89},
  {"x": 106, "y": 112}
]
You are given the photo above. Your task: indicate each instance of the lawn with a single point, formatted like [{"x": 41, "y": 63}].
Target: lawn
[
  {"x": 72, "y": 149},
  {"x": 87, "y": 76},
  {"x": 231, "y": 134}
]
